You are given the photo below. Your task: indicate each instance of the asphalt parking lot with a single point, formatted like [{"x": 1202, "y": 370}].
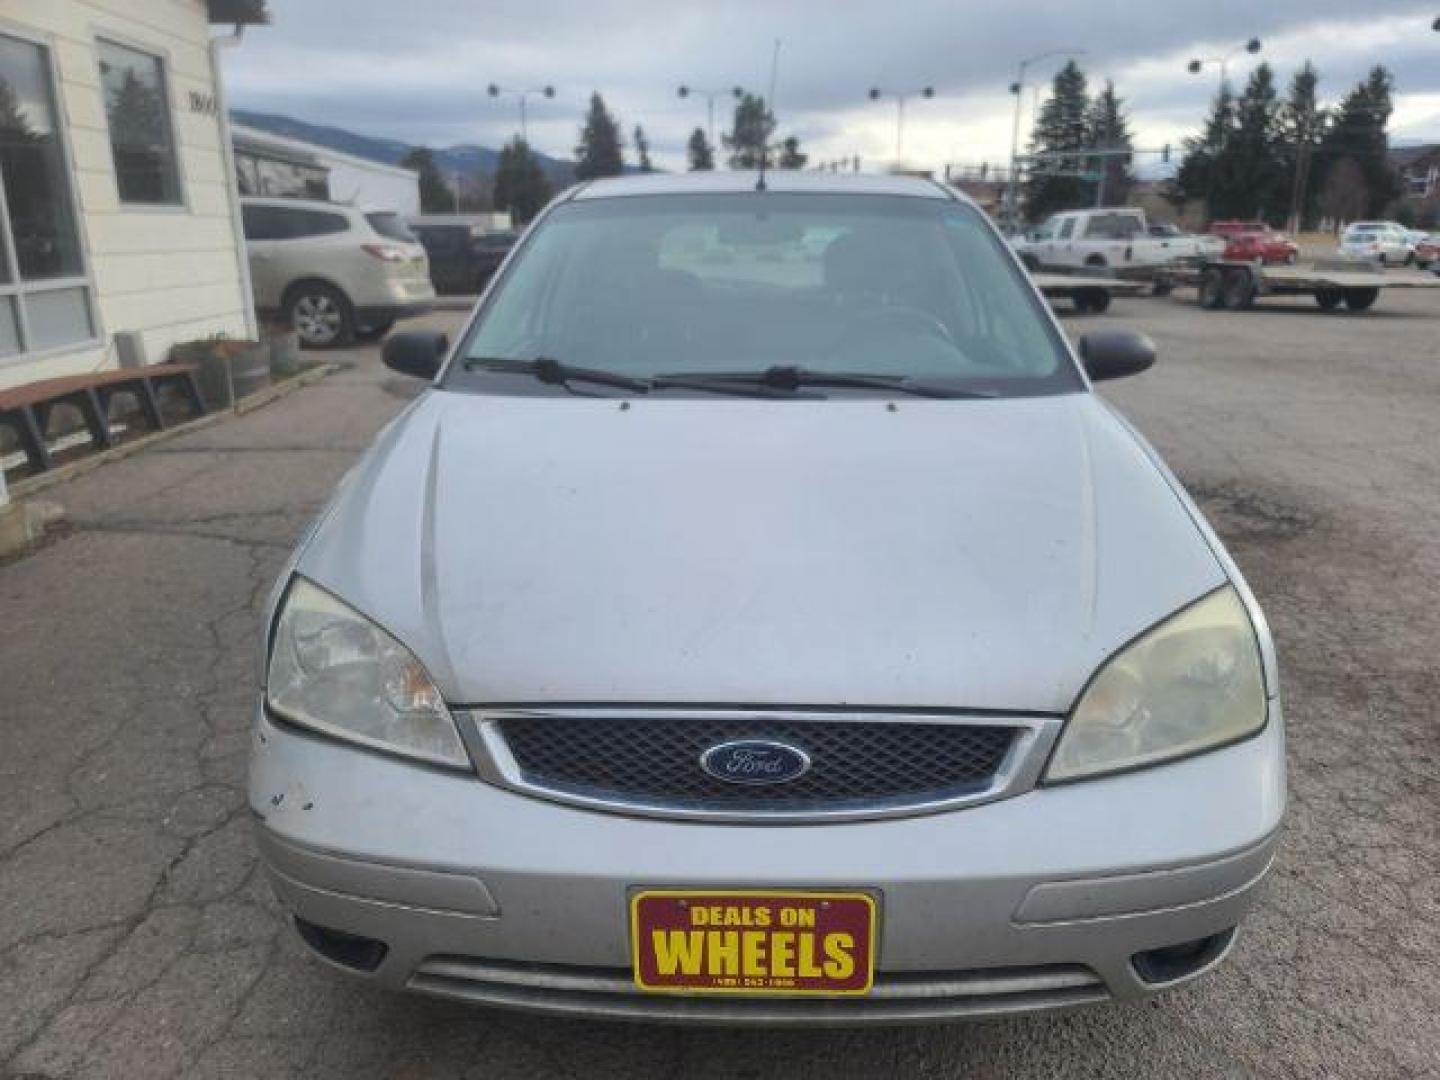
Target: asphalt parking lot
[{"x": 137, "y": 938}]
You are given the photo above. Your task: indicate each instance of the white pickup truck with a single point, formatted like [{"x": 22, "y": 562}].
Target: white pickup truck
[{"x": 1117, "y": 237}]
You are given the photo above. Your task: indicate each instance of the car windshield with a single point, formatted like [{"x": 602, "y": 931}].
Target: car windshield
[
  {"x": 693, "y": 285},
  {"x": 391, "y": 226}
]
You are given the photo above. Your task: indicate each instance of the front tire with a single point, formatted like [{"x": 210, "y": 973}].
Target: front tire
[
  {"x": 1239, "y": 291},
  {"x": 1092, "y": 301},
  {"x": 321, "y": 316},
  {"x": 1328, "y": 299}
]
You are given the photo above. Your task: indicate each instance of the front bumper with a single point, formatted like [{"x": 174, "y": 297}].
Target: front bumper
[{"x": 1036, "y": 901}]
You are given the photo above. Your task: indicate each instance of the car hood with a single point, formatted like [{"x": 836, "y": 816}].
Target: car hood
[{"x": 984, "y": 554}]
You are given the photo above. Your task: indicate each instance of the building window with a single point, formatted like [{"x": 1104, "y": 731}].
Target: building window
[
  {"x": 141, "y": 140},
  {"x": 44, "y": 294}
]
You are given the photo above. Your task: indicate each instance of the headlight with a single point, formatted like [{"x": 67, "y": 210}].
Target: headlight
[
  {"x": 1191, "y": 683},
  {"x": 333, "y": 670}
]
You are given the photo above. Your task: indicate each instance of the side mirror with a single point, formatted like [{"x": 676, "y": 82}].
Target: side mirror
[
  {"x": 1113, "y": 354},
  {"x": 415, "y": 352}
]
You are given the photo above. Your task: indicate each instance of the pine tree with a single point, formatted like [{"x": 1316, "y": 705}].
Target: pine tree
[
  {"x": 436, "y": 196},
  {"x": 1300, "y": 131},
  {"x": 599, "y": 152},
  {"x": 700, "y": 152},
  {"x": 749, "y": 138},
  {"x": 1199, "y": 171},
  {"x": 1109, "y": 130},
  {"x": 642, "y": 150},
  {"x": 1251, "y": 180},
  {"x": 520, "y": 183},
  {"x": 1060, "y": 127},
  {"x": 1358, "y": 132},
  {"x": 14, "y": 125},
  {"x": 790, "y": 155}
]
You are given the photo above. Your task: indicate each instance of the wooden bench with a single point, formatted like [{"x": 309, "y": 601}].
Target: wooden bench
[{"x": 26, "y": 409}]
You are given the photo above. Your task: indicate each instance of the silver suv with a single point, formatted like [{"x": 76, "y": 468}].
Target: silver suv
[{"x": 335, "y": 273}]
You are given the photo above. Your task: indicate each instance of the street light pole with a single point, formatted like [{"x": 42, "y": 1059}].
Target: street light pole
[
  {"x": 1198, "y": 65},
  {"x": 544, "y": 91},
  {"x": 1017, "y": 88},
  {"x": 737, "y": 92},
  {"x": 876, "y": 94}
]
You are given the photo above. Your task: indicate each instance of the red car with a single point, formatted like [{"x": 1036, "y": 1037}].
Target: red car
[
  {"x": 1267, "y": 247},
  {"x": 1427, "y": 252},
  {"x": 1228, "y": 229}
]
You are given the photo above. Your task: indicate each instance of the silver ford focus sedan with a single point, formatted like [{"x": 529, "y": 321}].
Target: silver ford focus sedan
[{"x": 760, "y": 619}]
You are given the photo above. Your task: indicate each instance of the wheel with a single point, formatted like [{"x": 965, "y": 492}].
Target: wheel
[
  {"x": 375, "y": 331},
  {"x": 1328, "y": 299},
  {"x": 1097, "y": 261},
  {"x": 1361, "y": 299},
  {"x": 1291, "y": 258},
  {"x": 1212, "y": 289},
  {"x": 1238, "y": 292},
  {"x": 1162, "y": 285},
  {"x": 1410, "y": 258},
  {"x": 321, "y": 315}
]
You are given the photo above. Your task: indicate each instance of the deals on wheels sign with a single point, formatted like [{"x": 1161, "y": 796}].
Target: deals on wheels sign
[{"x": 753, "y": 942}]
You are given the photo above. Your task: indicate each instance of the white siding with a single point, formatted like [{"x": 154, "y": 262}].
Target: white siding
[{"x": 170, "y": 272}]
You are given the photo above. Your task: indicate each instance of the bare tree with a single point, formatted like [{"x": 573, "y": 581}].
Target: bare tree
[{"x": 1345, "y": 194}]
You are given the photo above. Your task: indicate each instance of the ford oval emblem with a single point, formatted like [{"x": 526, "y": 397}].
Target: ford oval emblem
[{"x": 755, "y": 761}]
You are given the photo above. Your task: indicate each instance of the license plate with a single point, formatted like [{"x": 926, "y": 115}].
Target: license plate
[{"x": 753, "y": 942}]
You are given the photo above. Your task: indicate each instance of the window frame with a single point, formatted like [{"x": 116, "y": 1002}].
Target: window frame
[
  {"x": 161, "y": 56},
  {"x": 14, "y": 292}
]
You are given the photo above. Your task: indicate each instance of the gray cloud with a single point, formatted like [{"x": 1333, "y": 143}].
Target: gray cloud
[{"x": 418, "y": 70}]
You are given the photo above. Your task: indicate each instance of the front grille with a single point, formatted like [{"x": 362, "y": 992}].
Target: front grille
[
  {"x": 896, "y": 998},
  {"x": 854, "y": 764}
]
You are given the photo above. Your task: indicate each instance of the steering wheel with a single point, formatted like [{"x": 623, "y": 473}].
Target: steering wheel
[
  {"x": 876, "y": 319},
  {"x": 862, "y": 329}
]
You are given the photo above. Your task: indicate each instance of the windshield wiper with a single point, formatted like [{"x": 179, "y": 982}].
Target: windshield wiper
[
  {"x": 785, "y": 377},
  {"x": 549, "y": 370},
  {"x": 734, "y": 383}
]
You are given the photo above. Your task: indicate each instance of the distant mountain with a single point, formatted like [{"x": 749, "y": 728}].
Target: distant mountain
[{"x": 465, "y": 158}]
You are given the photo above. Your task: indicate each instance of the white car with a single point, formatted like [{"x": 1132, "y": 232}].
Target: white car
[
  {"x": 1384, "y": 241},
  {"x": 1104, "y": 238},
  {"x": 335, "y": 273}
]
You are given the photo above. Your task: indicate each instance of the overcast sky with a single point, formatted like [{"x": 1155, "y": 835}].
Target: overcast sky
[{"x": 417, "y": 69}]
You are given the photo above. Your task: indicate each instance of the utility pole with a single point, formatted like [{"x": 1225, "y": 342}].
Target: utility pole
[{"x": 876, "y": 94}]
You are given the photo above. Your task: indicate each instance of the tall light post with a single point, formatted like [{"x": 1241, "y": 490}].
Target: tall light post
[
  {"x": 544, "y": 91},
  {"x": 1018, "y": 89},
  {"x": 736, "y": 92},
  {"x": 1195, "y": 67},
  {"x": 876, "y": 94},
  {"x": 1223, "y": 62}
]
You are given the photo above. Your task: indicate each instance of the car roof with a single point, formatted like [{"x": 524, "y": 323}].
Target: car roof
[
  {"x": 286, "y": 203},
  {"x": 715, "y": 182}
]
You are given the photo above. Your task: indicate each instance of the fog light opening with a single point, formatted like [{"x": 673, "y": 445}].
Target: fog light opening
[
  {"x": 1174, "y": 962},
  {"x": 347, "y": 950}
]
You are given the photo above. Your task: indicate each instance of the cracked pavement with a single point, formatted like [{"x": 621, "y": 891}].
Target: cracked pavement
[{"x": 138, "y": 939}]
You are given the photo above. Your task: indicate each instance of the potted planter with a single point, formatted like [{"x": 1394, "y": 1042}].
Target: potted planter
[
  {"x": 284, "y": 351},
  {"x": 229, "y": 369}
]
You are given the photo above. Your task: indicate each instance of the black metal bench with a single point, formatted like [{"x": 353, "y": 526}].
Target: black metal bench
[{"x": 26, "y": 409}]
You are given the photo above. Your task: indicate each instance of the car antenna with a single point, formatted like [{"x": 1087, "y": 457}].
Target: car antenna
[{"x": 770, "y": 107}]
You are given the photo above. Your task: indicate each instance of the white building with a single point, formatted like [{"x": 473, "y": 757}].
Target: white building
[
  {"x": 116, "y": 202},
  {"x": 270, "y": 164}
]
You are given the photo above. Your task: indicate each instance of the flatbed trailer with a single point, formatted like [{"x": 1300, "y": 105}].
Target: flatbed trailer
[
  {"x": 1235, "y": 286},
  {"x": 1090, "y": 295}
]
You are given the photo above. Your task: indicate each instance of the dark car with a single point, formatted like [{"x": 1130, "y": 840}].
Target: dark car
[{"x": 462, "y": 256}]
